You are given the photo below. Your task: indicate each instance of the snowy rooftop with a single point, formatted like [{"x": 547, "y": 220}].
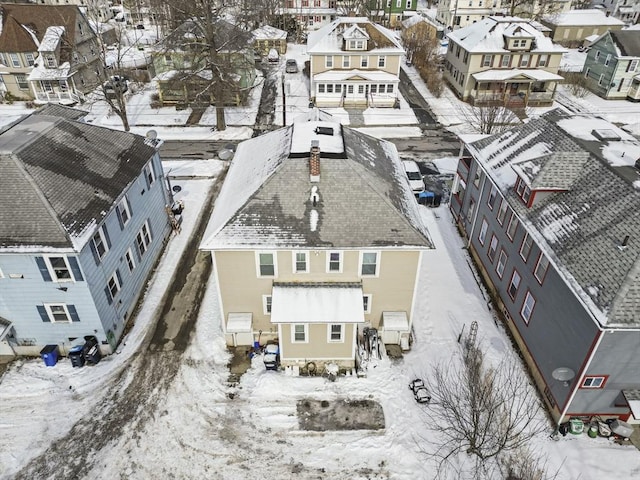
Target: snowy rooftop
[
  {"x": 329, "y": 38},
  {"x": 51, "y": 39},
  {"x": 488, "y": 35},
  {"x": 588, "y": 162},
  {"x": 267, "y": 32},
  {"x": 577, "y": 18}
]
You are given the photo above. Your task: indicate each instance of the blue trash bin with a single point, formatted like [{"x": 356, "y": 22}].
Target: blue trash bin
[{"x": 50, "y": 355}]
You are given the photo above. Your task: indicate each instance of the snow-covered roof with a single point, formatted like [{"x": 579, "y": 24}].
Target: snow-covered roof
[
  {"x": 328, "y": 39},
  {"x": 578, "y": 18},
  {"x": 595, "y": 205},
  {"x": 42, "y": 72},
  {"x": 51, "y": 39},
  {"x": 267, "y": 32},
  {"x": 502, "y": 74},
  {"x": 362, "y": 199},
  {"x": 488, "y": 35}
]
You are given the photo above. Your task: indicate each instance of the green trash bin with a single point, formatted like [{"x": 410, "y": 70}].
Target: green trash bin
[{"x": 576, "y": 426}]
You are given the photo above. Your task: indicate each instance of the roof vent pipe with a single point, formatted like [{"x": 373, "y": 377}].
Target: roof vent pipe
[{"x": 624, "y": 243}]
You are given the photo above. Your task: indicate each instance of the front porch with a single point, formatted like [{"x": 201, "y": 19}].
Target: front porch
[{"x": 513, "y": 88}]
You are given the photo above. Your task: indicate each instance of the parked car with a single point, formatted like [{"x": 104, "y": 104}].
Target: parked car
[
  {"x": 291, "y": 66},
  {"x": 414, "y": 175},
  {"x": 272, "y": 56},
  {"x": 420, "y": 392}
]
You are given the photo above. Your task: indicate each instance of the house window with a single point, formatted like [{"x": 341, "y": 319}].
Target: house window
[
  {"x": 492, "y": 197},
  {"x": 30, "y": 59},
  {"x": 594, "y": 382},
  {"x": 483, "y": 232},
  {"x": 506, "y": 61},
  {"x": 334, "y": 262},
  {"x": 338, "y": 88},
  {"x": 330, "y": 88},
  {"x": 597, "y": 56},
  {"x": 487, "y": 60},
  {"x": 408, "y": 5},
  {"x": 350, "y": 89},
  {"x": 59, "y": 269},
  {"x": 300, "y": 260},
  {"x": 328, "y": 61},
  {"x": 369, "y": 263},
  {"x": 502, "y": 211},
  {"x": 366, "y": 303},
  {"x": 514, "y": 284},
  {"x": 21, "y": 80},
  {"x": 335, "y": 332},
  {"x": 398, "y": 3},
  {"x": 57, "y": 312},
  {"x": 471, "y": 211},
  {"x": 345, "y": 61},
  {"x": 374, "y": 88},
  {"x": 15, "y": 60},
  {"x": 502, "y": 262},
  {"x": 476, "y": 179},
  {"x": 493, "y": 246},
  {"x": 149, "y": 174},
  {"x": 130, "y": 260},
  {"x": 321, "y": 88},
  {"x": 266, "y": 304},
  {"x": 525, "y": 248},
  {"x": 527, "y": 307},
  {"x": 382, "y": 62},
  {"x": 123, "y": 211},
  {"x": 541, "y": 268},
  {"x": 600, "y": 79},
  {"x": 114, "y": 284},
  {"x": 143, "y": 239},
  {"x": 513, "y": 226},
  {"x": 466, "y": 58},
  {"x": 586, "y": 72},
  {"x": 51, "y": 61},
  {"x": 299, "y": 333},
  {"x": 542, "y": 60},
  {"x": 390, "y": 88},
  {"x": 607, "y": 60},
  {"x": 266, "y": 264},
  {"x": 524, "y": 60},
  {"x": 633, "y": 64},
  {"x": 364, "y": 61},
  {"x": 100, "y": 242},
  {"x": 360, "y": 89}
]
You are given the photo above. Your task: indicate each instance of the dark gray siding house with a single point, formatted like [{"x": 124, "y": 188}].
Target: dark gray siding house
[
  {"x": 82, "y": 223},
  {"x": 550, "y": 210}
]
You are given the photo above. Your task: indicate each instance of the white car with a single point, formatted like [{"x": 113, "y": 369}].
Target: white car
[{"x": 414, "y": 175}]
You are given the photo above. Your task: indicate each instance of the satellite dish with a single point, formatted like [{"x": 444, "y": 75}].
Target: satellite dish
[
  {"x": 564, "y": 375},
  {"x": 176, "y": 188},
  {"x": 225, "y": 154},
  {"x": 152, "y": 134}
]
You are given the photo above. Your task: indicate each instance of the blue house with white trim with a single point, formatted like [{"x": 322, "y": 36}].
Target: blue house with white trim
[{"x": 83, "y": 220}]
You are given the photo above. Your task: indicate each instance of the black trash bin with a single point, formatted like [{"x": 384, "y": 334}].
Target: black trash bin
[
  {"x": 76, "y": 355},
  {"x": 91, "y": 350}
]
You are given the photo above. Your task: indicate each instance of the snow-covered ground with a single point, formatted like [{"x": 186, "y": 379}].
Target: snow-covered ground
[{"x": 197, "y": 431}]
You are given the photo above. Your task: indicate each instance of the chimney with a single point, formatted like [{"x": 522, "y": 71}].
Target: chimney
[
  {"x": 314, "y": 162},
  {"x": 624, "y": 243}
]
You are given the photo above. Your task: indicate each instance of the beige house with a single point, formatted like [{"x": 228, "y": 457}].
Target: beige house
[
  {"x": 571, "y": 28},
  {"x": 48, "y": 53},
  {"x": 316, "y": 238},
  {"x": 505, "y": 60},
  {"x": 267, "y": 37},
  {"x": 354, "y": 63}
]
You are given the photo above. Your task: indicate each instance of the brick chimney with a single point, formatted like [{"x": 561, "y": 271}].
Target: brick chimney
[{"x": 314, "y": 162}]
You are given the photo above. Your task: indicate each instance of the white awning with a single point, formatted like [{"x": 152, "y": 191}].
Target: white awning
[
  {"x": 395, "y": 321},
  {"x": 317, "y": 303},
  {"x": 498, "y": 75},
  {"x": 633, "y": 399},
  {"x": 239, "y": 322}
]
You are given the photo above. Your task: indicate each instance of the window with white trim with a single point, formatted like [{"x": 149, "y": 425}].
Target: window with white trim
[
  {"x": 100, "y": 242},
  {"x": 123, "y": 211},
  {"x": 30, "y": 58},
  {"x": 149, "y": 173},
  {"x": 513, "y": 226},
  {"x": 364, "y": 61},
  {"x": 541, "y": 268},
  {"x": 266, "y": 304},
  {"x": 487, "y": 60},
  {"x": 502, "y": 262},
  {"x": 543, "y": 60},
  {"x": 143, "y": 238},
  {"x": 335, "y": 333},
  {"x": 472, "y": 210},
  {"x": 593, "y": 381},
  {"x": 369, "y": 264},
  {"x": 483, "y": 231},
  {"x": 299, "y": 333},
  {"x": 502, "y": 211},
  {"x": 15, "y": 60},
  {"x": 21, "y": 80},
  {"x": 382, "y": 62},
  {"x": 491, "y": 201},
  {"x": 114, "y": 285},
  {"x": 266, "y": 264},
  {"x": 57, "y": 312},
  {"x": 514, "y": 285},
  {"x": 59, "y": 268},
  {"x": 346, "y": 61},
  {"x": 328, "y": 61},
  {"x": 300, "y": 262},
  {"x": 524, "y": 60},
  {"x": 607, "y": 60},
  {"x": 506, "y": 60},
  {"x": 366, "y": 303},
  {"x": 493, "y": 247},
  {"x": 131, "y": 262},
  {"x": 527, "y": 307},
  {"x": 334, "y": 262},
  {"x": 525, "y": 248}
]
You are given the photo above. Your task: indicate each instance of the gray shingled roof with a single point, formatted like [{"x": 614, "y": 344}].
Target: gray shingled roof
[
  {"x": 58, "y": 177},
  {"x": 61, "y": 111},
  {"x": 364, "y": 200},
  {"x": 628, "y": 41},
  {"x": 580, "y": 228}
]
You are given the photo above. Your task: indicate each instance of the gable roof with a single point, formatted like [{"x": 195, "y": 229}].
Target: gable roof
[
  {"x": 329, "y": 38},
  {"x": 267, "y": 32},
  {"x": 60, "y": 178},
  {"x": 488, "y": 35},
  {"x": 363, "y": 198},
  {"x": 583, "y": 17},
  {"x": 627, "y": 42},
  {"x": 24, "y": 26},
  {"x": 581, "y": 226}
]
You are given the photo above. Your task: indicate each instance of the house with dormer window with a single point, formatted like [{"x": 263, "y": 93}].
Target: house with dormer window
[
  {"x": 49, "y": 53},
  {"x": 550, "y": 212},
  {"x": 354, "y": 63},
  {"x": 505, "y": 60},
  {"x": 315, "y": 239},
  {"x": 309, "y": 15}
]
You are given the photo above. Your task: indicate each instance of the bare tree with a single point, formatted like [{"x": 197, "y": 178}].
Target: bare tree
[
  {"x": 534, "y": 9},
  {"x": 487, "y": 412},
  {"x": 577, "y": 83},
  {"x": 421, "y": 46},
  {"x": 491, "y": 116}
]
